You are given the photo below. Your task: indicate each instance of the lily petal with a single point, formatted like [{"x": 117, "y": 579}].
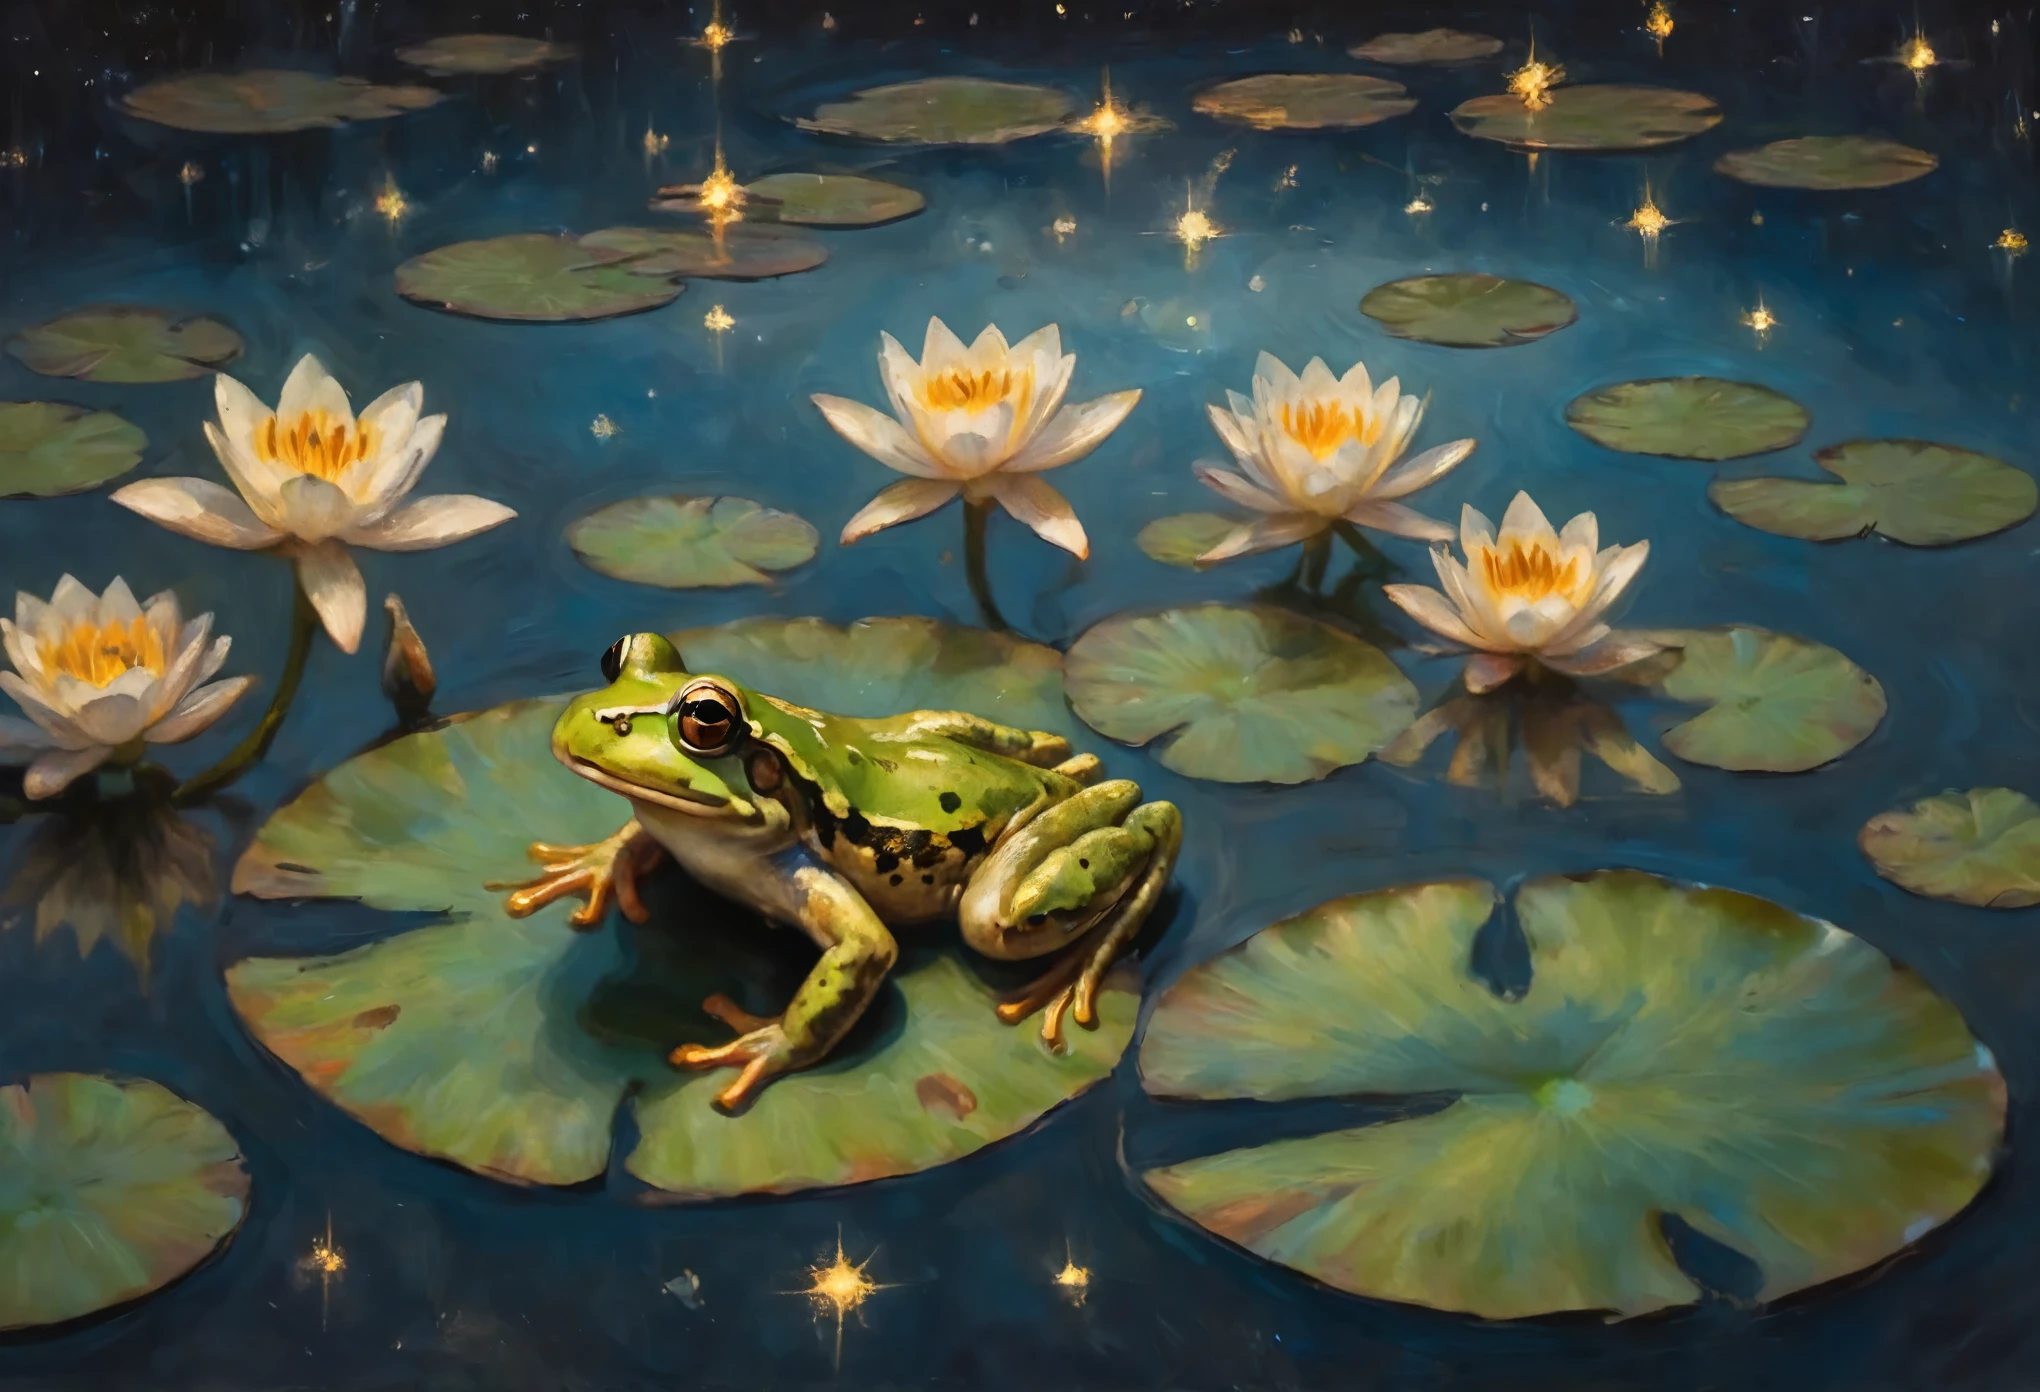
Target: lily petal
[
  {"x": 899, "y": 372},
  {"x": 940, "y": 349},
  {"x": 1235, "y": 489},
  {"x": 41, "y": 707},
  {"x": 1074, "y": 433},
  {"x": 311, "y": 388},
  {"x": 398, "y": 472},
  {"x": 199, "y": 509},
  {"x": 1265, "y": 534},
  {"x": 1608, "y": 587},
  {"x": 240, "y": 410},
  {"x": 1486, "y": 671},
  {"x": 1230, "y": 432},
  {"x": 58, "y": 770},
  {"x": 1613, "y": 651},
  {"x": 23, "y": 737},
  {"x": 1433, "y": 611},
  {"x": 314, "y": 509},
  {"x": 439, "y": 520},
  {"x": 879, "y": 436},
  {"x": 899, "y": 502},
  {"x": 255, "y": 481},
  {"x": 113, "y": 719},
  {"x": 1420, "y": 470},
  {"x": 198, "y": 710},
  {"x": 1397, "y": 520},
  {"x": 333, "y": 583},
  {"x": 1036, "y": 503}
]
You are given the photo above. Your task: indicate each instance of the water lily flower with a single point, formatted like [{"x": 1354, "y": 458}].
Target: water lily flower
[
  {"x": 1316, "y": 449},
  {"x": 313, "y": 480},
  {"x": 100, "y": 675},
  {"x": 982, "y": 421},
  {"x": 1530, "y": 594}
]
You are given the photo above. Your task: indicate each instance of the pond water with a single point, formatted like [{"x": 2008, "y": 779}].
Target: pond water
[{"x": 1895, "y": 314}]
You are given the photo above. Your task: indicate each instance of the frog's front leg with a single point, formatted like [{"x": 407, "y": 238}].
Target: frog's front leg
[
  {"x": 611, "y": 865},
  {"x": 1086, "y": 871},
  {"x": 857, "y": 953}
]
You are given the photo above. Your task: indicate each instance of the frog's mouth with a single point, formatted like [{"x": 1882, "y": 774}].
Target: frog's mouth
[{"x": 688, "y": 801}]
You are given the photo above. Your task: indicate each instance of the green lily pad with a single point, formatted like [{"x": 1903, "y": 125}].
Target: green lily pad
[
  {"x": 1777, "y": 704},
  {"x": 268, "y": 101},
  {"x": 461, "y": 55},
  {"x": 48, "y": 448},
  {"x": 1828, "y": 162},
  {"x": 679, "y": 542},
  {"x": 1468, "y": 309},
  {"x": 1913, "y": 491},
  {"x": 1306, "y": 101},
  {"x": 1775, "y": 1082},
  {"x": 507, "y": 1045},
  {"x": 1689, "y": 418},
  {"x": 110, "y": 1189},
  {"x": 742, "y": 253},
  {"x": 1181, "y": 539},
  {"x": 810, "y": 200},
  {"x": 944, "y": 111},
  {"x": 1429, "y": 46},
  {"x": 1981, "y": 847},
  {"x": 1239, "y": 694},
  {"x": 1590, "y": 118},
  {"x": 882, "y": 666},
  {"x": 126, "y": 343},
  {"x": 536, "y": 277}
]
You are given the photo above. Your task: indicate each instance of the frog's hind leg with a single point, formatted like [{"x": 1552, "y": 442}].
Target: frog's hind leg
[{"x": 1036, "y": 747}]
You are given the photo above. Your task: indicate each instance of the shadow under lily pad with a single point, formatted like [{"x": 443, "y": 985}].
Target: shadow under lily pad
[
  {"x": 1610, "y": 117},
  {"x": 110, "y": 1189},
  {"x": 680, "y": 542},
  {"x": 1707, "y": 418},
  {"x": 1306, "y": 101},
  {"x": 1774, "y": 1082},
  {"x": 49, "y": 448},
  {"x": 1468, "y": 309},
  {"x": 126, "y": 343},
  {"x": 268, "y": 101},
  {"x": 1981, "y": 847},
  {"x": 944, "y": 111},
  {"x": 1913, "y": 491}
]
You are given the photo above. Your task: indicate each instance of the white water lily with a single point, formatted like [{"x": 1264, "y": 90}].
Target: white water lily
[
  {"x": 983, "y": 422},
  {"x": 99, "y": 675},
  {"x": 1316, "y": 449},
  {"x": 313, "y": 480},
  {"x": 1530, "y": 594}
]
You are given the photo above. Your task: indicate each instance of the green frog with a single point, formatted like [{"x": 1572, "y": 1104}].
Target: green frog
[{"x": 848, "y": 829}]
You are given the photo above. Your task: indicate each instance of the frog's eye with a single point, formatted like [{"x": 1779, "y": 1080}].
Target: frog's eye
[
  {"x": 612, "y": 661},
  {"x": 707, "y": 718}
]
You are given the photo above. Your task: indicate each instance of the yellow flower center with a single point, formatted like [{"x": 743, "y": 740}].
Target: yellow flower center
[
  {"x": 1532, "y": 573},
  {"x": 974, "y": 391},
  {"x": 1322, "y": 426},
  {"x": 314, "y": 444},
  {"x": 99, "y": 655}
]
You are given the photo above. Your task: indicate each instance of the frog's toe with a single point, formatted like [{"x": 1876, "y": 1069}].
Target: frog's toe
[
  {"x": 760, "y": 1054},
  {"x": 597, "y": 872}
]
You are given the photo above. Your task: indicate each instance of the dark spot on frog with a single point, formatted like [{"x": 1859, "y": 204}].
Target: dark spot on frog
[
  {"x": 382, "y": 1017},
  {"x": 884, "y": 862},
  {"x": 950, "y": 802},
  {"x": 970, "y": 840},
  {"x": 945, "y": 1095},
  {"x": 855, "y": 756},
  {"x": 294, "y": 868},
  {"x": 928, "y": 878},
  {"x": 896, "y": 879}
]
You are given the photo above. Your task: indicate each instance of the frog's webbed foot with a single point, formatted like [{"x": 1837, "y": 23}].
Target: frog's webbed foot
[
  {"x": 759, "y": 1053},
  {"x": 609, "y": 866}
]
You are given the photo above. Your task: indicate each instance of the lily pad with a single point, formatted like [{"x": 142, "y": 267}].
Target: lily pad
[
  {"x": 1828, "y": 162},
  {"x": 1777, "y": 704},
  {"x": 1689, "y": 418},
  {"x": 110, "y": 1189},
  {"x": 1775, "y": 1082},
  {"x": 461, "y": 55},
  {"x": 1306, "y": 101},
  {"x": 536, "y": 277},
  {"x": 1913, "y": 491},
  {"x": 1429, "y": 46},
  {"x": 507, "y": 1045},
  {"x": 944, "y": 111},
  {"x": 680, "y": 542},
  {"x": 1610, "y": 117},
  {"x": 268, "y": 101},
  {"x": 1181, "y": 539},
  {"x": 1239, "y": 694},
  {"x": 743, "y": 253},
  {"x": 48, "y": 448},
  {"x": 1981, "y": 847},
  {"x": 811, "y": 200},
  {"x": 126, "y": 343},
  {"x": 1468, "y": 310}
]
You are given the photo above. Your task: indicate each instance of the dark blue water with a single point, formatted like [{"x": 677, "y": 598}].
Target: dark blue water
[{"x": 1895, "y": 319}]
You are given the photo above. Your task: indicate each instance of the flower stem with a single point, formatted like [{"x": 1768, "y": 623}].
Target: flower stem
[
  {"x": 1368, "y": 557},
  {"x": 975, "y": 515},
  {"x": 1317, "y": 554},
  {"x": 304, "y": 622}
]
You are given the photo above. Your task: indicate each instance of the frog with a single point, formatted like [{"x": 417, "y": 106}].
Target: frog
[{"x": 851, "y": 830}]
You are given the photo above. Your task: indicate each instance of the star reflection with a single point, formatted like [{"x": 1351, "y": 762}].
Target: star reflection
[
  {"x": 1760, "y": 320},
  {"x": 839, "y": 1288}
]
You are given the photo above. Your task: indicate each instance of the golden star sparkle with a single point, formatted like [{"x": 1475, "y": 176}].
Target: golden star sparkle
[
  {"x": 1419, "y": 206},
  {"x": 1531, "y": 84},
  {"x": 1658, "y": 24},
  {"x": 718, "y": 320},
  {"x": 602, "y": 427},
  {"x": 1916, "y": 53},
  {"x": 1194, "y": 226},
  {"x": 1760, "y": 320},
  {"x": 2011, "y": 241},
  {"x": 1073, "y": 1281},
  {"x": 838, "y": 1288},
  {"x": 391, "y": 203},
  {"x": 327, "y": 1262},
  {"x": 190, "y": 173}
]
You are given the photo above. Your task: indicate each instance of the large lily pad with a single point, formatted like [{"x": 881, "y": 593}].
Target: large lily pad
[
  {"x": 1239, "y": 694},
  {"x": 1179, "y": 540},
  {"x": 1429, "y": 46},
  {"x": 1777, "y": 1083},
  {"x": 1828, "y": 162},
  {"x": 1981, "y": 847},
  {"x": 1777, "y": 704},
  {"x": 1306, "y": 101},
  {"x": 267, "y": 101},
  {"x": 1590, "y": 118},
  {"x": 1468, "y": 309},
  {"x": 1689, "y": 418},
  {"x": 741, "y": 253},
  {"x": 944, "y": 111},
  {"x": 462, "y": 55},
  {"x": 1913, "y": 491},
  {"x": 126, "y": 343},
  {"x": 809, "y": 200},
  {"x": 681, "y": 542},
  {"x": 536, "y": 277},
  {"x": 48, "y": 448},
  {"x": 109, "y": 1189}
]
